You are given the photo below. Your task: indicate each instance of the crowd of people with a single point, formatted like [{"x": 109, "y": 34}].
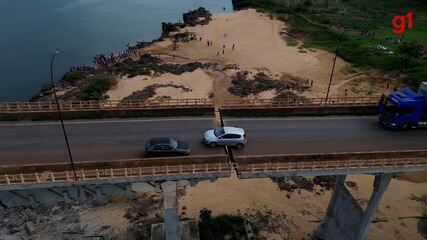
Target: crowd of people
[{"x": 105, "y": 61}]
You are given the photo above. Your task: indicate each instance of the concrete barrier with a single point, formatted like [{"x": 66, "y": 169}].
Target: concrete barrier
[
  {"x": 127, "y": 163},
  {"x": 331, "y": 156},
  {"x": 110, "y": 113},
  {"x": 299, "y": 111}
]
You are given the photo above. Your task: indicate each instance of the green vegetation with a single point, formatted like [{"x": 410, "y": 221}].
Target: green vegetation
[
  {"x": 96, "y": 87},
  {"x": 72, "y": 76},
  {"x": 150, "y": 65},
  {"x": 220, "y": 227},
  {"x": 363, "y": 28}
]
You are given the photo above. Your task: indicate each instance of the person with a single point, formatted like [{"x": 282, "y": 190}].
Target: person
[
  {"x": 233, "y": 47},
  {"x": 223, "y": 46},
  {"x": 200, "y": 39},
  {"x": 217, "y": 53},
  {"x": 345, "y": 92},
  {"x": 222, "y": 51},
  {"x": 207, "y": 42},
  {"x": 225, "y": 34}
]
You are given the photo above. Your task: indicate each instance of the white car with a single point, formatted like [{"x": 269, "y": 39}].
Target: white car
[{"x": 225, "y": 136}]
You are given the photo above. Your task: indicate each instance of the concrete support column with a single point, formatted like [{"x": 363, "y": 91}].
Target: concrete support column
[
  {"x": 381, "y": 183},
  {"x": 322, "y": 231},
  {"x": 172, "y": 231}
]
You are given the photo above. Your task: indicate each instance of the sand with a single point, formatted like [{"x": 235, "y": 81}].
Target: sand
[
  {"x": 303, "y": 210},
  {"x": 259, "y": 46},
  {"x": 199, "y": 82}
]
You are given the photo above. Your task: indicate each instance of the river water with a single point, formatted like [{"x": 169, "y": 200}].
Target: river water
[{"x": 30, "y": 31}]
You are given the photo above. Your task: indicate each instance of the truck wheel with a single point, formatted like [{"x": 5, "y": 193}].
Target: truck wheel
[
  {"x": 239, "y": 146},
  {"x": 212, "y": 144}
]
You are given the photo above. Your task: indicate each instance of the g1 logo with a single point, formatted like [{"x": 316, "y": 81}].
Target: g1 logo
[{"x": 399, "y": 23}]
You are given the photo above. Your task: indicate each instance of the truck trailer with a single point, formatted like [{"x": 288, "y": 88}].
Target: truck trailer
[{"x": 405, "y": 109}]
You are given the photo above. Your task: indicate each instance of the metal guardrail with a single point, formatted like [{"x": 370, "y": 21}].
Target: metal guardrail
[
  {"x": 50, "y": 106},
  {"x": 300, "y": 102},
  {"x": 332, "y": 165},
  {"x": 113, "y": 173}
]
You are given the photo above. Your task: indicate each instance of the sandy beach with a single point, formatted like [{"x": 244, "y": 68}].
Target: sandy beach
[
  {"x": 264, "y": 50},
  {"x": 304, "y": 209}
]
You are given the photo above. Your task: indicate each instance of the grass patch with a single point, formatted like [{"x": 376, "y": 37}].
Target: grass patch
[
  {"x": 96, "y": 87},
  {"x": 291, "y": 42},
  {"x": 72, "y": 76},
  {"x": 220, "y": 227},
  {"x": 367, "y": 24}
]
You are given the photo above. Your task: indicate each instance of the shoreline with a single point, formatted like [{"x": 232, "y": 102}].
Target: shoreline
[{"x": 264, "y": 63}]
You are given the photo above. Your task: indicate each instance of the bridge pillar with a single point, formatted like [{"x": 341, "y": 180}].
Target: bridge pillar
[
  {"x": 381, "y": 183},
  {"x": 171, "y": 211},
  {"x": 345, "y": 219}
]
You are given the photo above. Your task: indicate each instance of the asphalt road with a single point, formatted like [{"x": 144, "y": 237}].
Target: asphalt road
[
  {"x": 98, "y": 140},
  {"x": 324, "y": 135}
]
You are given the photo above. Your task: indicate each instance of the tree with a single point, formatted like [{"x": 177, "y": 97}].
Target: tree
[{"x": 409, "y": 50}]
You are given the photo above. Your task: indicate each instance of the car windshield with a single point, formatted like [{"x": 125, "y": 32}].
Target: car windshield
[
  {"x": 391, "y": 108},
  {"x": 219, "y": 131},
  {"x": 174, "y": 143}
]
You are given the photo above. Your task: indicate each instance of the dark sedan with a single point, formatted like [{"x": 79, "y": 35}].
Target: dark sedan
[{"x": 166, "y": 146}]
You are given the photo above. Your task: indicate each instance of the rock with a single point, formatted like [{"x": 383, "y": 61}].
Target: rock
[
  {"x": 71, "y": 218},
  {"x": 31, "y": 229},
  {"x": 73, "y": 228},
  {"x": 8, "y": 237},
  {"x": 100, "y": 202}
]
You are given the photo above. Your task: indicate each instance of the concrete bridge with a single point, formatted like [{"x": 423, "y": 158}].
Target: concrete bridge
[
  {"x": 34, "y": 168},
  {"x": 36, "y": 184}
]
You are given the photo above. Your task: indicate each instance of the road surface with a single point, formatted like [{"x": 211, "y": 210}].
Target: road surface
[
  {"x": 324, "y": 135},
  {"x": 97, "y": 140}
]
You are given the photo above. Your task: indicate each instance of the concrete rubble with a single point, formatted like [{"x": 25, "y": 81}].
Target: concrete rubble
[{"x": 84, "y": 220}]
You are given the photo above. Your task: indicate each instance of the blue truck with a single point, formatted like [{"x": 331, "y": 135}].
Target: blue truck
[{"x": 404, "y": 109}]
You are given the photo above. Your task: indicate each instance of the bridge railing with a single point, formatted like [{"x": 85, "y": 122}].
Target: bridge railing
[
  {"x": 114, "y": 173},
  {"x": 50, "y": 106},
  {"x": 300, "y": 102},
  {"x": 325, "y": 165}
]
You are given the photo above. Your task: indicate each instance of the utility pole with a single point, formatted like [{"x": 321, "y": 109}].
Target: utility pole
[
  {"x": 332, "y": 72},
  {"x": 60, "y": 115}
]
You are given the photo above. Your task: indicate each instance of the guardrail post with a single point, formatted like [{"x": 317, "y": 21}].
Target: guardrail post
[
  {"x": 7, "y": 179},
  {"x": 154, "y": 171},
  {"x": 52, "y": 177},
  {"x": 97, "y": 174},
  {"x": 111, "y": 173},
  {"x": 167, "y": 170},
  {"x": 206, "y": 168},
  {"x": 22, "y": 178},
  {"x": 193, "y": 170},
  {"x": 37, "y": 177},
  {"x": 67, "y": 176},
  {"x": 83, "y": 174},
  {"x": 180, "y": 169},
  {"x": 139, "y": 171},
  {"x": 126, "y": 172}
]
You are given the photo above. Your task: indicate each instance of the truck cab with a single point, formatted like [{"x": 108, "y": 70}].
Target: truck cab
[{"x": 404, "y": 109}]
